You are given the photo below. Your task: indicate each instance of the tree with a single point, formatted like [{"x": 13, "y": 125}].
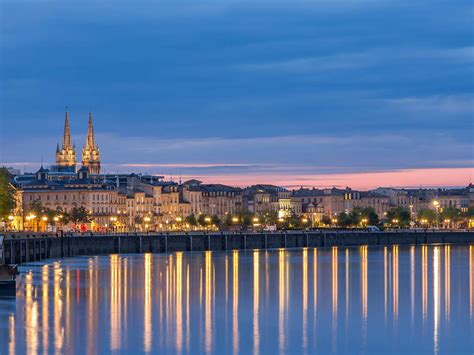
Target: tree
[
  {"x": 268, "y": 218},
  {"x": 451, "y": 213},
  {"x": 7, "y": 195},
  {"x": 344, "y": 219},
  {"x": 36, "y": 208},
  {"x": 370, "y": 215},
  {"x": 245, "y": 218},
  {"x": 202, "y": 220},
  {"x": 326, "y": 220},
  {"x": 228, "y": 220},
  {"x": 215, "y": 220},
  {"x": 80, "y": 215},
  {"x": 428, "y": 215},
  {"x": 399, "y": 214},
  {"x": 191, "y": 220}
]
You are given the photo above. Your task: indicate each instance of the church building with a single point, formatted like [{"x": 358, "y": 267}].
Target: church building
[{"x": 66, "y": 154}]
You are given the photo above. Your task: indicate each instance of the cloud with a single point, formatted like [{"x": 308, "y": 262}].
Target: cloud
[
  {"x": 337, "y": 61},
  {"x": 451, "y": 104}
]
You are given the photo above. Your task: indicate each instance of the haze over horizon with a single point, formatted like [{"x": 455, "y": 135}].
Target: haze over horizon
[{"x": 313, "y": 93}]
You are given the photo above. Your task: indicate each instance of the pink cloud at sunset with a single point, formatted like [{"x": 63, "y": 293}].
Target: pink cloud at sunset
[{"x": 436, "y": 177}]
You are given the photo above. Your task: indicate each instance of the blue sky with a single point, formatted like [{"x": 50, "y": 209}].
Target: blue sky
[{"x": 242, "y": 87}]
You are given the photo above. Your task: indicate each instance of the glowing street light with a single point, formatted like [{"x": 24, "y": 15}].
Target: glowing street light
[
  {"x": 235, "y": 219},
  {"x": 436, "y": 205}
]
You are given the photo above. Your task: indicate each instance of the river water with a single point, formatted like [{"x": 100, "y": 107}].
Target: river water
[{"x": 345, "y": 300}]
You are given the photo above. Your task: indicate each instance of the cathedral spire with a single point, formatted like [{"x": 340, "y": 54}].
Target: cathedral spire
[
  {"x": 90, "y": 142},
  {"x": 90, "y": 152},
  {"x": 66, "y": 156},
  {"x": 67, "y": 133}
]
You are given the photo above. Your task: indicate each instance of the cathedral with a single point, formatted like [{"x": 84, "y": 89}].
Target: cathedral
[{"x": 66, "y": 154}]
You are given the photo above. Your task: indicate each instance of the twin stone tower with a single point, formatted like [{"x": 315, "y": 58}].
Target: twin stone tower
[{"x": 66, "y": 155}]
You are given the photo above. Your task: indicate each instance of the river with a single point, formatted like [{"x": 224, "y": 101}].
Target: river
[{"x": 344, "y": 300}]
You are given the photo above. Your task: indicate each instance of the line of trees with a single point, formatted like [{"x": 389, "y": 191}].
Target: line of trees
[{"x": 7, "y": 195}]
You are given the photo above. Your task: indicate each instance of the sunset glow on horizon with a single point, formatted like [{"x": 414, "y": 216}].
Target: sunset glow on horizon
[{"x": 410, "y": 178}]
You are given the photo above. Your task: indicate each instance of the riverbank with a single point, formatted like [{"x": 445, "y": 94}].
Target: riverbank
[{"x": 22, "y": 249}]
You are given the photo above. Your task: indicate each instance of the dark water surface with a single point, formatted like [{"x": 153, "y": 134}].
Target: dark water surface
[{"x": 356, "y": 300}]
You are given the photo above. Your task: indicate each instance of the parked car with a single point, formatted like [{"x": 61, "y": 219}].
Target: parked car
[{"x": 373, "y": 229}]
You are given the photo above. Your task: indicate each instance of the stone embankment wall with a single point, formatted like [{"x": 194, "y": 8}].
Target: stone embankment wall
[{"x": 27, "y": 248}]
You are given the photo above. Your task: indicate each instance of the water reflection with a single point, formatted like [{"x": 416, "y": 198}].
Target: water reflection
[
  {"x": 364, "y": 290},
  {"x": 424, "y": 281},
  {"x": 147, "y": 325},
  {"x": 235, "y": 301},
  {"x": 256, "y": 300},
  {"x": 213, "y": 302},
  {"x": 395, "y": 281},
  {"x": 471, "y": 280},
  {"x": 447, "y": 281},
  {"x": 115, "y": 302},
  {"x": 281, "y": 299}
]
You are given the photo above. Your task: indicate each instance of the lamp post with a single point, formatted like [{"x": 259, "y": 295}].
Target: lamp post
[
  {"x": 113, "y": 221},
  {"x": 436, "y": 205},
  {"x": 147, "y": 221}
]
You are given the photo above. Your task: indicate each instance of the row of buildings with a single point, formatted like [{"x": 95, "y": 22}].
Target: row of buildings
[{"x": 139, "y": 202}]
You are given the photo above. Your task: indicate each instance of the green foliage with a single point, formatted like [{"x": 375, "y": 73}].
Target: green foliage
[
  {"x": 291, "y": 222},
  {"x": 355, "y": 217},
  {"x": 401, "y": 214},
  {"x": 202, "y": 220},
  {"x": 268, "y": 218},
  {"x": 36, "y": 208},
  {"x": 371, "y": 216},
  {"x": 191, "y": 220},
  {"x": 215, "y": 220},
  {"x": 228, "y": 220},
  {"x": 7, "y": 195},
  {"x": 245, "y": 218},
  {"x": 427, "y": 214},
  {"x": 345, "y": 219},
  {"x": 452, "y": 214},
  {"x": 81, "y": 215},
  {"x": 326, "y": 220}
]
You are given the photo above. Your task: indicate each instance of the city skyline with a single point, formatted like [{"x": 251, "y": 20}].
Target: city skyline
[
  {"x": 232, "y": 97},
  {"x": 244, "y": 174}
]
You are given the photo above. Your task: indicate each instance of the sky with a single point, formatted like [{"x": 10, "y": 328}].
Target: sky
[{"x": 358, "y": 93}]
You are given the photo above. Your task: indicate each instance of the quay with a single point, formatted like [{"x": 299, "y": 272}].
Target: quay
[{"x": 24, "y": 248}]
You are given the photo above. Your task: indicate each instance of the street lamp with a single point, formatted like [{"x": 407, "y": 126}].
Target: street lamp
[{"x": 436, "y": 205}]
